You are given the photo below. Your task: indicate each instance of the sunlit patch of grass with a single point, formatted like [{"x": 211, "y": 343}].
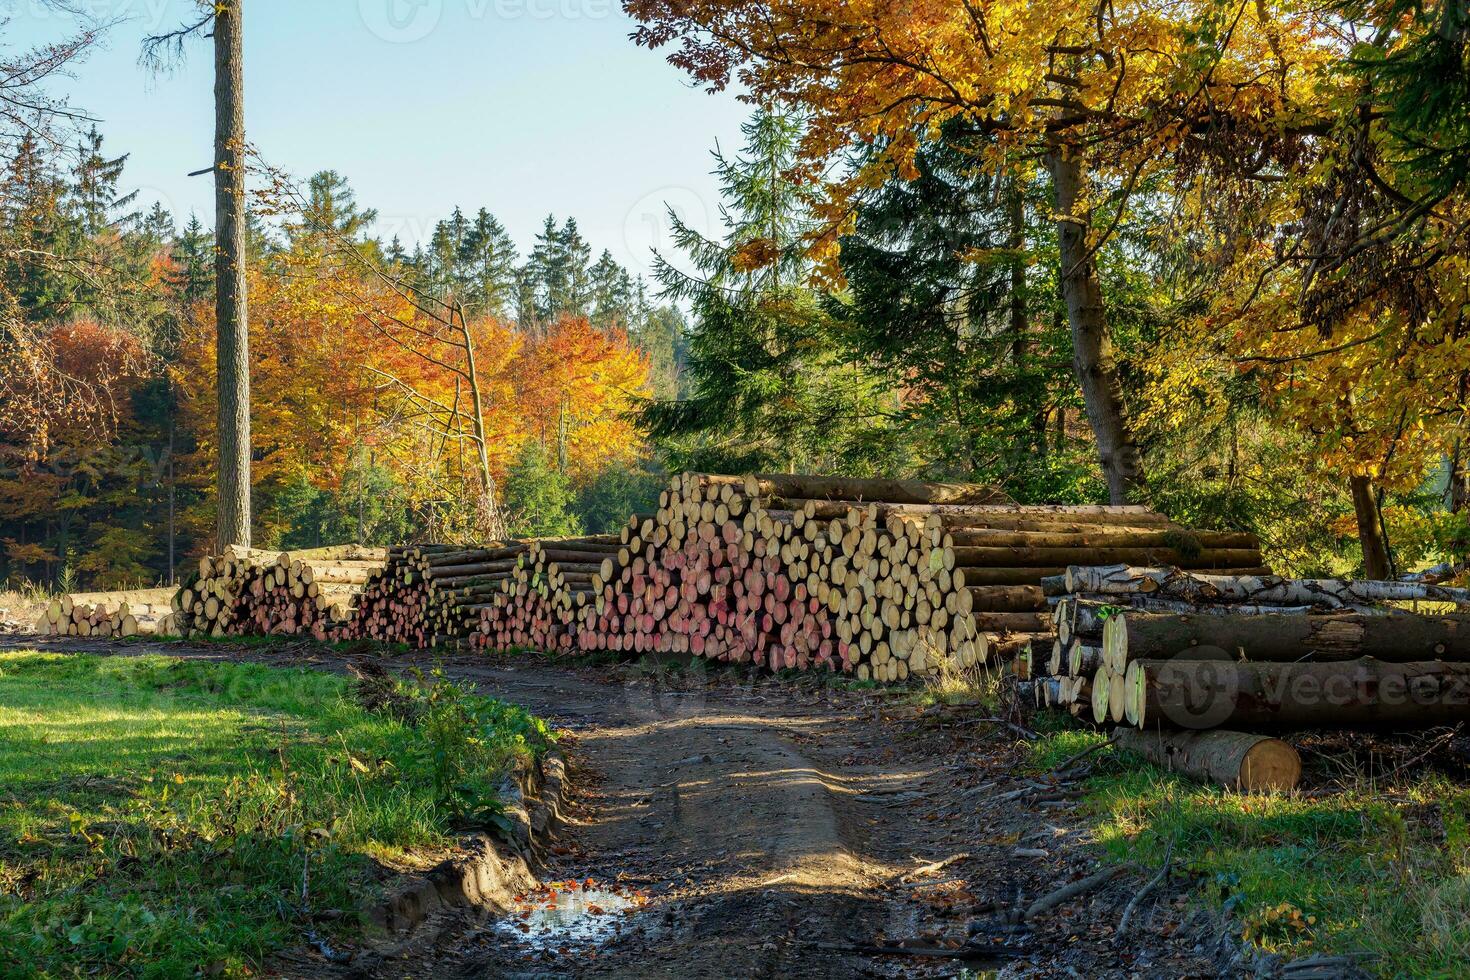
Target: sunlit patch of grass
[
  {"x": 1386, "y": 871},
  {"x": 952, "y": 685},
  {"x": 1058, "y": 745},
  {"x": 159, "y": 816}
]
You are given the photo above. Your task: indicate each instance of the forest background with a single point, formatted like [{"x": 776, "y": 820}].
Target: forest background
[{"x": 925, "y": 333}]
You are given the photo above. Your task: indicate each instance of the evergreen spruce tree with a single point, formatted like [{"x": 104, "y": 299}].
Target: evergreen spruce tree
[
  {"x": 332, "y": 208},
  {"x": 486, "y": 261},
  {"x": 94, "y": 186},
  {"x": 765, "y": 386},
  {"x": 559, "y": 272},
  {"x": 943, "y": 299},
  {"x": 614, "y": 299},
  {"x": 35, "y": 225},
  {"x": 193, "y": 255},
  {"x": 539, "y": 497}
]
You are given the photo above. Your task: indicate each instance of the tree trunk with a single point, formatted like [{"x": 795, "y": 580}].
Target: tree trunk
[
  {"x": 233, "y": 344},
  {"x": 1459, "y": 488},
  {"x": 1370, "y": 529},
  {"x": 1186, "y": 542},
  {"x": 1198, "y": 587},
  {"x": 985, "y": 557},
  {"x": 1235, "y": 760},
  {"x": 491, "y": 523},
  {"x": 1034, "y": 401},
  {"x": 1092, "y": 358},
  {"x": 172, "y": 508}
]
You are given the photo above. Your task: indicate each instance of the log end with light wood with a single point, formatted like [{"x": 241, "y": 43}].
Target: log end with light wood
[{"x": 1235, "y": 760}]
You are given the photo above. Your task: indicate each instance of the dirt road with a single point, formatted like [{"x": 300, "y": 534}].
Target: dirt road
[{"x": 784, "y": 829}]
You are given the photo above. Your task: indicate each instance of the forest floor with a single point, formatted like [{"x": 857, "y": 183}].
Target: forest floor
[{"x": 777, "y": 826}]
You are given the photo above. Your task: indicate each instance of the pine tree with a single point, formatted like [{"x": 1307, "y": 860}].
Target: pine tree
[
  {"x": 486, "y": 263},
  {"x": 575, "y": 256},
  {"x": 613, "y": 296},
  {"x": 157, "y": 226},
  {"x": 766, "y": 387},
  {"x": 559, "y": 272},
  {"x": 37, "y": 232},
  {"x": 396, "y": 255},
  {"x": 193, "y": 255},
  {"x": 332, "y": 208},
  {"x": 539, "y": 497},
  {"x": 94, "y": 186},
  {"x": 442, "y": 263},
  {"x": 940, "y": 300}
]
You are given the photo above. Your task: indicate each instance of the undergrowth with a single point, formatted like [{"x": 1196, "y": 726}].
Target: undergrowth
[{"x": 1381, "y": 869}]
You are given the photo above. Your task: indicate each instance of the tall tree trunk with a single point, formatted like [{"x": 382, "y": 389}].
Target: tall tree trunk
[
  {"x": 172, "y": 508},
  {"x": 1370, "y": 529},
  {"x": 1459, "y": 488},
  {"x": 233, "y": 350},
  {"x": 1092, "y": 356},
  {"x": 492, "y": 523}
]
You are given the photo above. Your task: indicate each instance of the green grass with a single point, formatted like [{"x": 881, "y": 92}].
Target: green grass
[
  {"x": 1384, "y": 870},
  {"x": 157, "y": 816}
]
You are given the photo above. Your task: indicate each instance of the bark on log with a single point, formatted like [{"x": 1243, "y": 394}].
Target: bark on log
[
  {"x": 1006, "y": 598},
  {"x": 1365, "y": 693},
  {"x": 1188, "y": 542},
  {"x": 1235, "y": 760},
  {"x": 1402, "y": 639},
  {"x": 1170, "y": 582},
  {"x": 890, "y": 491},
  {"x": 982, "y": 557}
]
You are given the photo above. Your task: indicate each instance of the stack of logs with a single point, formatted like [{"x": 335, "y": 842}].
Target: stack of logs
[
  {"x": 885, "y": 579},
  {"x": 107, "y": 614},
  {"x": 882, "y": 578},
  {"x": 541, "y": 600},
  {"x": 1163, "y": 649},
  {"x": 428, "y": 595},
  {"x": 248, "y": 592}
]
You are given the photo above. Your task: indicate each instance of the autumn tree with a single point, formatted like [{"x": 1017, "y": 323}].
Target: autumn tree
[
  {"x": 1099, "y": 93},
  {"x": 1337, "y": 260}
]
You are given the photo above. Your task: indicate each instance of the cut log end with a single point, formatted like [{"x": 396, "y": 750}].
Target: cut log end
[{"x": 1235, "y": 760}]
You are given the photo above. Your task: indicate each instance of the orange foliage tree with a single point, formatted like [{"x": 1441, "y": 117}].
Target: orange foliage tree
[{"x": 346, "y": 362}]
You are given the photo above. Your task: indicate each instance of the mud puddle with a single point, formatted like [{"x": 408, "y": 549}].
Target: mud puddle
[{"x": 564, "y": 915}]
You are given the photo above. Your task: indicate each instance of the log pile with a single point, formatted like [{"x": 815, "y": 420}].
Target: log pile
[
  {"x": 1164, "y": 648},
  {"x": 249, "y": 592},
  {"x": 107, "y": 614},
  {"x": 884, "y": 579},
  {"x": 414, "y": 598},
  {"x": 540, "y": 600}
]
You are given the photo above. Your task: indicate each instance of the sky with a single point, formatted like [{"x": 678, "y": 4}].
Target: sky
[{"x": 525, "y": 107}]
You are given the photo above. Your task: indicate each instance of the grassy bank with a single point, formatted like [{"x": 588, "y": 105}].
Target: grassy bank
[
  {"x": 1367, "y": 865},
  {"x": 160, "y": 816}
]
